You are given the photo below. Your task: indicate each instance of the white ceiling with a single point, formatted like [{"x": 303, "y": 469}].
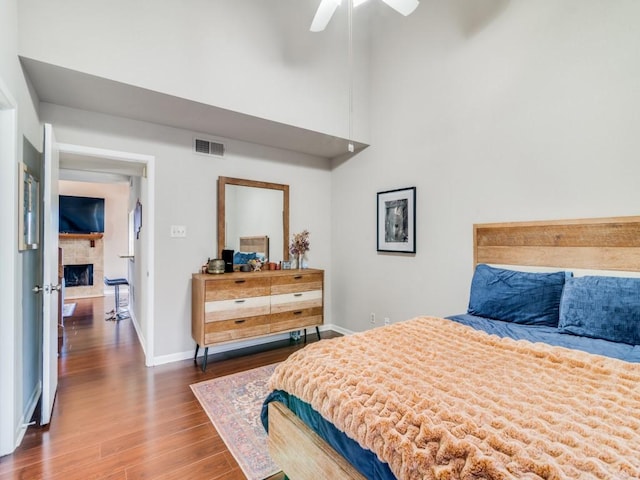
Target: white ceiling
[{"x": 62, "y": 86}]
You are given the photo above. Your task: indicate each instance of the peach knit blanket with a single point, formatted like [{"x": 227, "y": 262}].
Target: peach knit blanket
[{"x": 439, "y": 400}]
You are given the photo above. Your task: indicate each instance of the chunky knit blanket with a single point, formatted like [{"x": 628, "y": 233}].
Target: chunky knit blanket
[{"x": 439, "y": 400}]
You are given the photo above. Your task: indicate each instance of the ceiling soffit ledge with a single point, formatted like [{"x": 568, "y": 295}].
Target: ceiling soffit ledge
[{"x": 71, "y": 88}]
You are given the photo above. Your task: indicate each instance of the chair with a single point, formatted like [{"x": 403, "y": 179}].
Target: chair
[{"x": 116, "y": 314}]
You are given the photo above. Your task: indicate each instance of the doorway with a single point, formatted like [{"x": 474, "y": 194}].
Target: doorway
[
  {"x": 97, "y": 205},
  {"x": 32, "y": 273},
  {"x": 84, "y": 163}
]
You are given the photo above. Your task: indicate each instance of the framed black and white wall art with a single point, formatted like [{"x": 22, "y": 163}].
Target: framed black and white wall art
[{"x": 397, "y": 220}]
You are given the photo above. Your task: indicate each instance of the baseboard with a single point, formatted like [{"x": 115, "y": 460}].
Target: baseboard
[
  {"x": 28, "y": 413},
  {"x": 180, "y": 356},
  {"x": 138, "y": 330},
  {"x": 344, "y": 331}
]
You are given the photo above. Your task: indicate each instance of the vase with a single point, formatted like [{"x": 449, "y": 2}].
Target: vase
[{"x": 299, "y": 266}]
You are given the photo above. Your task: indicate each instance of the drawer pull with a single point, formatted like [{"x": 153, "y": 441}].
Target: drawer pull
[
  {"x": 297, "y": 294},
  {"x": 240, "y": 301},
  {"x": 238, "y": 322},
  {"x": 297, "y": 277},
  {"x": 240, "y": 281},
  {"x": 298, "y": 312}
]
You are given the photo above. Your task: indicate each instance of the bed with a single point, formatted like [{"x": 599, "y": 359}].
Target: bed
[
  {"x": 253, "y": 247},
  {"x": 540, "y": 389}
]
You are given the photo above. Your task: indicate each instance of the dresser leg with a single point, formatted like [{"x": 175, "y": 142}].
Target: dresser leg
[
  {"x": 204, "y": 360},
  {"x": 195, "y": 356},
  {"x": 305, "y": 335},
  {"x": 318, "y": 332}
]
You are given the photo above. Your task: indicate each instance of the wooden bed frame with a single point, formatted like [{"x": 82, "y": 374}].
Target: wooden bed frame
[
  {"x": 596, "y": 244},
  {"x": 258, "y": 244}
]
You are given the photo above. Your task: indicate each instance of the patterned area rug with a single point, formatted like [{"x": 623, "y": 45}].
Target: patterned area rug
[{"x": 233, "y": 404}]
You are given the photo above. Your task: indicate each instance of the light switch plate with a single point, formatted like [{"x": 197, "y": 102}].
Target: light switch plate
[{"x": 178, "y": 231}]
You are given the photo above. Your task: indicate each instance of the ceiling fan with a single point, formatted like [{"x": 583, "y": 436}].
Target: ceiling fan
[{"x": 328, "y": 7}]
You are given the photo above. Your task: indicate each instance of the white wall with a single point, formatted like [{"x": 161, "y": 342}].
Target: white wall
[
  {"x": 509, "y": 111},
  {"x": 116, "y": 233},
  {"x": 18, "y": 118},
  {"x": 186, "y": 195},
  {"x": 251, "y": 56}
]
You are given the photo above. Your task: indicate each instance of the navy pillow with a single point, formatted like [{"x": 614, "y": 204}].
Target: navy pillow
[
  {"x": 518, "y": 297},
  {"x": 602, "y": 307},
  {"x": 240, "y": 258}
]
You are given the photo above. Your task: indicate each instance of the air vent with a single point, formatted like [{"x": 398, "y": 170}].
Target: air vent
[{"x": 207, "y": 147}]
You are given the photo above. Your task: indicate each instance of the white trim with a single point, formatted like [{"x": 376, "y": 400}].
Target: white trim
[
  {"x": 105, "y": 153},
  {"x": 150, "y": 177},
  {"x": 138, "y": 330},
  {"x": 343, "y": 331},
  {"x": 149, "y": 224},
  {"x": 9, "y": 378},
  {"x": 227, "y": 347},
  {"x": 28, "y": 413}
]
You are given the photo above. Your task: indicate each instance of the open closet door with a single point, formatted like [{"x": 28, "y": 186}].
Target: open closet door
[{"x": 50, "y": 283}]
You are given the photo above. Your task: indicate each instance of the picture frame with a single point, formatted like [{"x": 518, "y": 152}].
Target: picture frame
[
  {"x": 137, "y": 218},
  {"x": 28, "y": 209},
  {"x": 396, "y": 220}
]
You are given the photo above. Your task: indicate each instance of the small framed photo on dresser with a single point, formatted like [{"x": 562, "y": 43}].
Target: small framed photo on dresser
[{"x": 396, "y": 223}]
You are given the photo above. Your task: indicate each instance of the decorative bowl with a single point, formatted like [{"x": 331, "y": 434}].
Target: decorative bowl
[{"x": 215, "y": 266}]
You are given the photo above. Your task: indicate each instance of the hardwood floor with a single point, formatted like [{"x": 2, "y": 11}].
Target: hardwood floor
[{"x": 116, "y": 419}]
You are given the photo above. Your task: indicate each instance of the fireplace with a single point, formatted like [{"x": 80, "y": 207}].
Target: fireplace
[{"x": 78, "y": 275}]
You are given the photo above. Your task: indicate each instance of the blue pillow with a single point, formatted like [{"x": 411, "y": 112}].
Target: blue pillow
[
  {"x": 518, "y": 297},
  {"x": 240, "y": 258},
  {"x": 602, "y": 307}
]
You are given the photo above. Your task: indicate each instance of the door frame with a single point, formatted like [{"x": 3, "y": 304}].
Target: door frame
[
  {"x": 11, "y": 428},
  {"x": 148, "y": 251}
]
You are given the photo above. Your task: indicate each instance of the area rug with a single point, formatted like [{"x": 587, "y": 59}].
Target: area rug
[
  {"x": 233, "y": 404},
  {"x": 68, "y": 309}
]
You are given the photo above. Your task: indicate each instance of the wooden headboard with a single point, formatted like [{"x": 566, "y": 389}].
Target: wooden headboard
[
  {"x": 593, "y": 243},
  {"x": 255, "y": 244}
]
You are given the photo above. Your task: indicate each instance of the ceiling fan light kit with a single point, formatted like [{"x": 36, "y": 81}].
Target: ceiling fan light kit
[{"x": 327, "y": 8}]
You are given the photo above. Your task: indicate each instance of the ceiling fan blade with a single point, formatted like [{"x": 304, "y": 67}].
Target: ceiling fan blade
[
  {"x": 405, "y": 7},
  {"x": 324, "y": 14}
]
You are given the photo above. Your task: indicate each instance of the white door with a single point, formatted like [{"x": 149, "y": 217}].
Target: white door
[{"x": 50, "y": 275}]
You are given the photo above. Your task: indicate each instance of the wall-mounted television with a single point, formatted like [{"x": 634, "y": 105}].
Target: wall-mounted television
[{"x": 81, "y": 214}]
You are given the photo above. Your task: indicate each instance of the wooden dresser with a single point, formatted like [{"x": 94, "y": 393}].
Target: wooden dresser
[{"x": 235, "y": 306}]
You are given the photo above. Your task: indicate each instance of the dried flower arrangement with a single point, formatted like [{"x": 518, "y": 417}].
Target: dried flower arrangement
[{"x": 300, "y": 243}]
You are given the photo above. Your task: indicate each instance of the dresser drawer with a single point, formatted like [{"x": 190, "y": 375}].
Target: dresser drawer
[
  {"x": 240, "y": 287},
  {"x": 296, "y": 319},
  {"x": 296, "y": 301},
  {"x": 298, "y": 282},
  {"x": 229, "y": 330},
  {"x": 236, "y": 308}
]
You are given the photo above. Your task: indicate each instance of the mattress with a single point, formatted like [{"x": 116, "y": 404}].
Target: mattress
[{"x": 368, "y": 463}]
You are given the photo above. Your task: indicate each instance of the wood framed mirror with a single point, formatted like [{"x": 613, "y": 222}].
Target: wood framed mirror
[{"x": 249, "y": 208}]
